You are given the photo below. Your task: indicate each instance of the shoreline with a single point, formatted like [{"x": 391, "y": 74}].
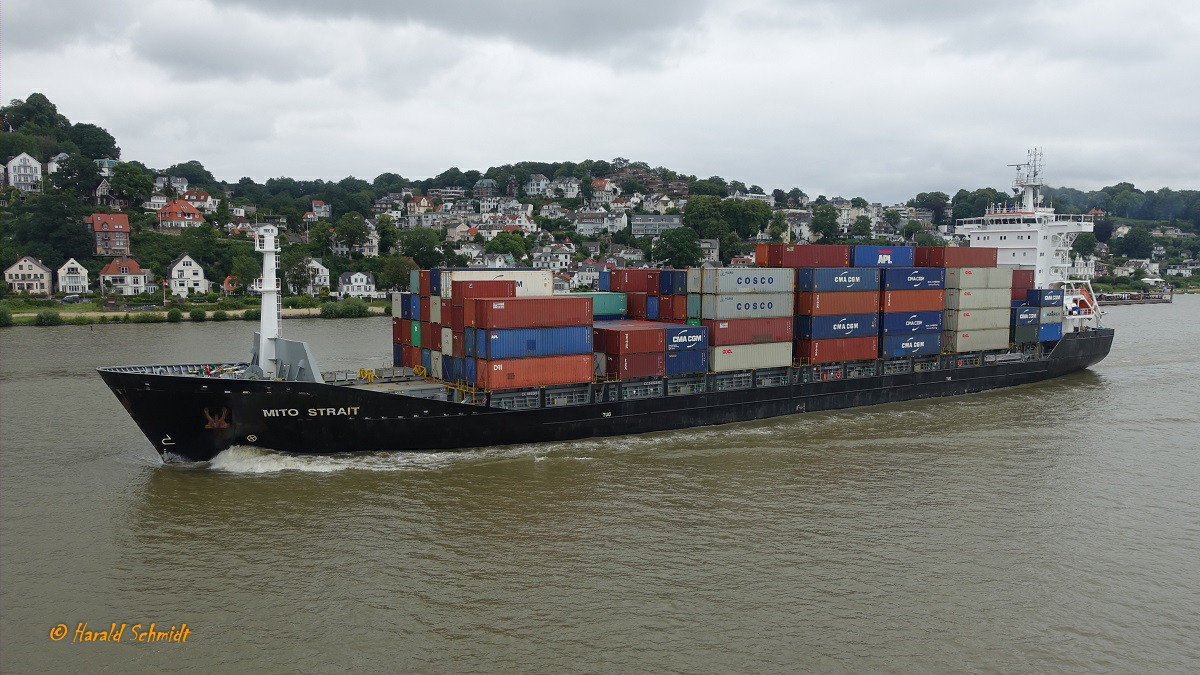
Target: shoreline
[{"x": 156, "y": 316}]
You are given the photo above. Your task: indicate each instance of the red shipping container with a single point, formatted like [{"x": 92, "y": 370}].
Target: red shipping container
[
  {"x": 636, "y": 303},
  {"x": 635, "y": 281},
  {"x": 463, "y": 290},
  {"x": 767, "y": 255},
  {"x": 1022, "y": 279},
  {"x": 456, "y": 344},
  {"x": 813, "y": 255},
  {"x": 540, "y": 372},
  {"x": 431, "y": 336},
  {"x": 913, "y": 301},
  {"x": 840, "y": 349},
  {"x": 828, "y": 303},
  {"x": 628, "y": 338},
  {"x": 445, "y": 314},
  {"x": 423, "y": 285},
  {"x": 456, "y": 318},
  {"x": 622, "y": 366},
  {"x": 1019, "y": 293},
  {"x": 424, "y": 302},
  {"x": 397, "y": 331},
  {"x": 679, "y": 307},
  {"x": 413, "y": 356},
  {"x": 954, "y": 256},
  {"x": 528, "y": 312},
  {"x": 722, "y": 333}
]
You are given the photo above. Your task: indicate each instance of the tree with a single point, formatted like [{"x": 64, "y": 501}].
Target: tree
[
  {"x": 196, "y": 175},
  {"x": 934, "y": 201},
  {"x": 77, "y": 176},
  {"x": 132, "y": 182},
  {"x": 352, "y": 230},
  {"x": 421, "y": 245},
  {"x": 825, "y": 220},
  {"x": 245, "y": 270},
  {"x": 778, "y": 226},
  {"x": 293, "y": 262},
  {"x": 892, "y": 218},
  {"x": 320, "y": 238},
  {"x": 862, "y": 227},
  {"x": 50, "y": 227},
  {"x": 94, "y": 142},
  {"x": 507, "y": 242},
  {"x": 385, "y": 227},
  {"x": 779, "y": 197},
  {"x": 679, "y": 247},
  {"x": 912, "y": 228},
  {"x": 1137, "y": 244},
  {"x": 223, "y": 216},
  {"x": 1103, "y": 230},
  {"x": 858, "y": 203},
  {"x": 797, "y": 195},
  {"x": 745, "y": 217},
  {"x": 926, "y": 239},
  {"x": 631, "y": 186},
  {"x": 392, "y": 271},
  {"x": 1084, "y": 244}
]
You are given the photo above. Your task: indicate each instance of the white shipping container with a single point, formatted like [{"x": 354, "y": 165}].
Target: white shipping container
[
  {"x": 529, "y": 282},
  {"x": 694, "y": 280},
  {"x": 978, "y": 298},
  {"x": 435, "y": 309},
  {"x": 396, "y": 305},
  {"x": 599, "y": 364},
  {"x": 999, "y": 277},
  {"x": 746, "y": 306},
  {"x": 1051, "y": 315},
  {"x": 966, "y": 277},
  {"x": 745, "y": 357},
  {"x": 447, "y": 340},
  {"x": 435, "y": 365},
  {"x": 975, "y": 340},
  {"x": 977, "y": 319},
  {"x": 747, "y": 280}
]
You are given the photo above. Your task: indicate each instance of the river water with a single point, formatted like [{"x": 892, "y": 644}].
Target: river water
[{"x": 1053, "y": 527}]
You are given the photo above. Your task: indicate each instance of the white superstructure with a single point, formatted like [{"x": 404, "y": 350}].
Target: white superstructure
[{"x": 268, "y": 284}]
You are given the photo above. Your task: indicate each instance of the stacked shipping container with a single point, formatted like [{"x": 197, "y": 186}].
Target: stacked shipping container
[
  {"x": 748, "y": 314},
  {"x": 912, "y": 300},
  {"x": 978, "y": 302},
  {"x": 626, "y": 349}
]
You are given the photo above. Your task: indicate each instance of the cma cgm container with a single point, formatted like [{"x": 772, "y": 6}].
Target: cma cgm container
[
  {"x": 1048, "y": 332},
  {"x": 881, "y": 256},
  {"x": 748, "y": 331},
  {"x": 687, "y": 362},
  {"x": 980, "y": 298},
  {"x": 837, "y": 302},
  {"x": 529, "y": 283},
  {"x": 632, "y": 337},
  {"x": 528, "y": 312},
  {"x": 975, "y": 340},
  {"x": 747, "y": 305},
  {"x": 1045, "y": 297},
  {"x": 1026, "y": 316},
  {"x": 746, "y": 357},
  {"x": 817, "y": 279},
  {"x": 685, "y": 338},
  {"x": 913, "y": 278},
  {"x": 902, "y": 323},
  {"x": 463, "y": 290},
  {"x": 921, "y": 344},
  {"x": 820, "y": 255},
  {"x": 837, "y": 326},
  {"x": 833, "y": 351},
  {"x": 523, "y": 343},
  {"x": 954, "y": 256},
  {"x": 622, "y": 366},
  {"x": 978, "y": 319},
  {"x": 540, "y": 372},
  {"x": 912, "y": 301}
]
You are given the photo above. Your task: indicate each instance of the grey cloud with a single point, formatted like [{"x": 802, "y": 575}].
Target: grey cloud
[{"x": 40, "y": 25}]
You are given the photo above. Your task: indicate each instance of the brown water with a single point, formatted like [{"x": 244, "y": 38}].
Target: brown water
[{"x": 1054, "y": 527}]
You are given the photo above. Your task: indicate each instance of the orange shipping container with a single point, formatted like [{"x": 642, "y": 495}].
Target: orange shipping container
[
  {"x": 838, "y": 302},
  {"x": 913, "y": 301},
  {"x": 540, "y": 372},
  {"x": 463, "y": 290},
  {"x": 1022, "y": 279},
  {"x": 528, "y": 312},
  {"x": 840, "y": 349},
  {"x": 679, "y": 307},
  {"x": 954, "y": 256}
]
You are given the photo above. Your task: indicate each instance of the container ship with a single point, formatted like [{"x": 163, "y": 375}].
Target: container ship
[{"x": 485, "y": 357}]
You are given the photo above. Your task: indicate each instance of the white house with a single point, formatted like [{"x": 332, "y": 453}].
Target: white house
[
  {"x": 711, "y": 248},
  {"x": 24, "y": 173},
  {"x": 654, "y": 225},
  {"x": 186, "y": 277},
  {"x": 356, "y": 285},
  {"x": 29, "y": 275},
  {"x": 369, "y": 248},
  {"x": 318, "y": 278},
  {"x": 604, "y": 191},
  {"x": 123, "y": 276},
  {"x": 566, "y": 188},
  {"x": 555, "y": 258},
  {"x": 56, "y": 161},
  {"x": 536, "y": 185},
  {"x": 72, "y": 277}
]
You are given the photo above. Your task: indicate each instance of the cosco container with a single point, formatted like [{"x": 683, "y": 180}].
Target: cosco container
[
  {"x": 954, "y": 256},
  {"x": 837, "y": 326},
  {"x": 1048, "y": 332},
  {"x": 912, "y": 301},
  {"x": 1045, "y": 297},
  {"x": 684, "y": 337},
  {"x": 1026, "y": 316},
  {"x": 521, "y": 343},
  {"x": 901, "y": 323},
  {"x": 687, "y": 362},
  {"x": 837, "y": 302},
  {"x": 820, "y": 255},
  {"x": 921, "y": 344},
  {"x": 1050, "y": 315},
  {"x": 913, "y": 278},
  {"x": 1025, "y": 334},
  {"x": 816, "y": 279},
  {"x": 463, "y": 290},
  {"x": 833, "y": 351},
  {"x": 975, "y": 340},
  {"x": 748, "y": 331},
  {"x": 978, "y": 319},
  {"x": 747, "y": 305},
  {"x": 881, "y": 256},
  {"x": 528, "y": 312},
  {"x": 634, "y": 337},
  {"x": 746, "y": 357},
  {"x": 715, "y": 280},
  {"x": 540, "y": 372},
  {"x": 621, "y": 366},
  {"x": 603, "y": 304},
  {"x": 979, "y": 298},
  {"x": 527, "y": 282}
]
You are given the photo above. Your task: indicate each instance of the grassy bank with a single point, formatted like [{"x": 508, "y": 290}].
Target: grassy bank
[{"x": 84, "y": 317}]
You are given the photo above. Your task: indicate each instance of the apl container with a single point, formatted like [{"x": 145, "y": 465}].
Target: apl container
[
  {"x": 528, "y": 283},
  {"x": 903, "y": 323},
  {"x": 1045, "y": 297},
  {"x": 748, "y": 331},
  {"x": 528, "y": 312},
  {"x": 921, "y": 344},
  {"x": 685, "y": 338},
  {"x": 687, "y": 362},
  {"x": 540, "y": 372},
  {"x": 1048, "y": 332},
  {"x": 746, "y": 357},
  {"x": 1025, "y": 334},
  {"x": 979, "y": 298},
  {"x": 913, "y": 278},
  {"x": 978, "y": 319},
  {"x": 881, "y": 256},
  {"x": 837, "y": 302},
  {"x": 1026, "y": 316},
  {"x": 955, "y": 256},
  {"x": 521, "y": 343},
  {"x": 817, "y": 279},
  {"x": 837, "y": 326},
  {"x": 912, "y": 301},
  {"x": 747, "y": 305},
  {"x": 833, "y": 351},
  {"x": 727, "y": 280},
  {"x": 975, "y": 340}
]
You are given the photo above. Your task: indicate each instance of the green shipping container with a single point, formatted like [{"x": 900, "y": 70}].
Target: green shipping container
[
  {"x": 1025, "y": 334},
  {"x": 694, "y": 322},
  {"x": 414, "y": 281},
  {"x": 693, "y": 307},
  {"x": 415, "y": 332},
  {"x": 606, "y": 304}
]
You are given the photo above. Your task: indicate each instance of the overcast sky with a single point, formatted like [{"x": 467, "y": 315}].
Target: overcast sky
[{"x": 873, "y": 98}]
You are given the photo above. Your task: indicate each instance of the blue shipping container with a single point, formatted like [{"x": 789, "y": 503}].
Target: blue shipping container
[
  {"x": 397, "y": 355},
  {"x": 1025, "y": 316},
  {"x": 881, "y": 256},
  {"x": 1044, "y": 297},
  {"x": 687, "y": 362},
  {"x": 609, "y": 317},
  {"x": 923, "y": 344},
  {"x": 427, "y": 360},
  {"x": 435, "y": 281},
  {"x": 682, "y": 338},
  {"x": 913, "y": 278},
  {"x": 521, "y": 343},
  {"x": 414, "y": 307},
  {"x": 818, "y": 279},
  {"x": 832, "y": 327},
  {"x": 680, "y": 283},
  {"x": 666, "y": 282},
  {"x": 605, "y": 281},
  {"x": 902, "y": 323},
  {"x": 405, "y": 308},
  {"x": 652, "y": 307},
  {"x": 1048, "y": 332},
  {"x": 448, "y": 370},
  {"x": 468, "y": 341},
  {"x": 469, "y": 370}
]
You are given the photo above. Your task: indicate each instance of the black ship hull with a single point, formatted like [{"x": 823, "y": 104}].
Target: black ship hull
[{"x": 190, "y": 418}]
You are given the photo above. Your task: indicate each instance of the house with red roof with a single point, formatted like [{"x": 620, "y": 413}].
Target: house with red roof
[
  {"x": 124, "y": 276},
  {"x": 110, "y": 233},
  {"x": 322, "y": 210},
  {"x": 604, "y": 191},
  {"x": 178, "y": 214},
  {"x": 199, "y": 199}
]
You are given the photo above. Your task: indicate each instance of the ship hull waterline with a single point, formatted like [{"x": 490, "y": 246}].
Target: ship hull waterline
[{"x": 191, "y": 419}]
